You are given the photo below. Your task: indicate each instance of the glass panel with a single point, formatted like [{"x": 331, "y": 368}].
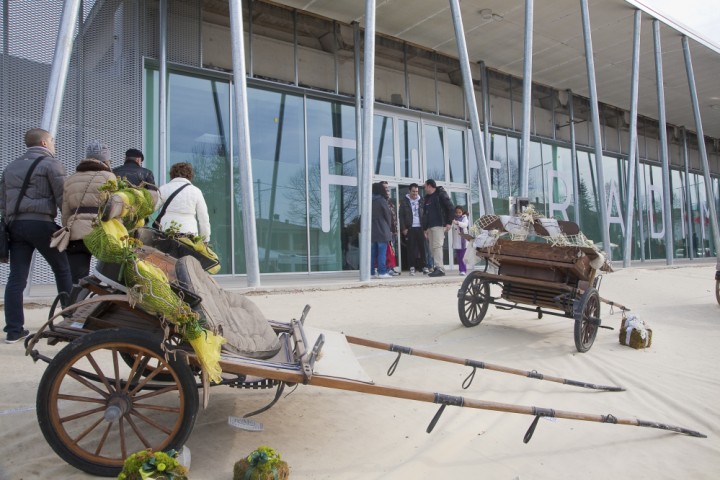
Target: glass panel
[
  {"x": 680, "y": 236},
  {"x": 456, "y": 154},
  {"x": 656, "y": 226},
  {"x": 198, "y": 133},
  {"x": 409, "y": 149},
  {"x": 499, "y": 176},
  {"x": 513, "y": 158},
  {"x": 152, "y": 121},
  {"x": 334, "y": 216},
  {"x": 383, "y": 140},
  {"x": 616, "y": 210},
  {"x": 277, "y": 144},
  {"x": 561, "y": 200},
  {"x": 536, "y": 190},
  {"x": 587, "y": 190},
  {"x": 434, "y": 153}
]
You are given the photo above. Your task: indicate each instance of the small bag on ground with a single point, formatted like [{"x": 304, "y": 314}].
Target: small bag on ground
[{"x": 635, "y": 332}]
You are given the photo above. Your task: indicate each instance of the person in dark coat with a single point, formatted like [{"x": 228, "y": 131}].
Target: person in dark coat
[
  {"x": 411, "y": 217},
  {"x": 133, "y": 171},
  {"x": 380, "y": 233},
  {"x": 437, "y": 221}
]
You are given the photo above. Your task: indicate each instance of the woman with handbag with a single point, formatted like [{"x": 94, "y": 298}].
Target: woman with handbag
[
  {"x": 183, "y": 203},
  {"x": 81, "y": 202}
]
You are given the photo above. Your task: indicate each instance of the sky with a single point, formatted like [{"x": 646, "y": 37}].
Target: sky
[{"x": 699, "y": 19}]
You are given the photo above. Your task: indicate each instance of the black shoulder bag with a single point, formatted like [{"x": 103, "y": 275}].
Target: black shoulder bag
[
  {"x": 156, "y": 224},
  {"x": 4, "y": 232}
]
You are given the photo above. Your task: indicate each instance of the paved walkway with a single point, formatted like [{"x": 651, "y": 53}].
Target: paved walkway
[{"x": 284, "y": 282}]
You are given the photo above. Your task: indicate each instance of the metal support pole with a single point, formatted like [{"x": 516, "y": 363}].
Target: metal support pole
[
  {"x": 358, "y": 107},
  {"x": 60, "y": 65},
  {"x": 486, "y": 107},
  {"x": 701, "y": 145},
  {"x": 664, "y": 156},
  {"x": 688, "y": 204},
  {"x": 590, "y": 63},
  {"x": 574, "y": 161},
  {"x": 163, "y": 93},
  {"x": 632, "y": 149},
  {"x": 469, "y": 89},
  {"x": 527, "y": 101},
  {"x": 252, "y": 266},
  {"x": 367, "y": 141}
]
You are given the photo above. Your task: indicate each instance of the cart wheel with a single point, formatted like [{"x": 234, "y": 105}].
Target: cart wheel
[
  {"x": 473, "y": 300},
  {"x": 717, "y": 290},
  {"x": 587, "y": 319},
  {"x": 95, "y": 411}
]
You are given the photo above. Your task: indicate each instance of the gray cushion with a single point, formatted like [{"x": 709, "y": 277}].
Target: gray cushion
[{"x": 235, "y": 317}]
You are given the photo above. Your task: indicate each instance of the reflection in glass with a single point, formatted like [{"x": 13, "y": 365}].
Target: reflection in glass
[
  {"x": 434, "y": 153},
  {"x": 336, "y": 248},
  {"x": 409, "y": 148},
  {"x": 587, "y": 193},
  {"x": 198, "y": 133},
  {"x": 383, "y": 140},
  {"x": 456, "y": 154},
  {"x": 277, "y": 146}
]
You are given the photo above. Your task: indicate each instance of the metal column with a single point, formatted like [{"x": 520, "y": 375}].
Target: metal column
[
  {"x": 245, "y": 159},
  {"x": 367, "y": 142},
  {"x": 701, "y": 144},
  {"x": 472, "y": 107},
  {"x": 632, "y": 149},
  {"x": 573, "y": 154},
  {"x": 590, "y": 63},
  {"x": 486, "y": 107},
  {"x": 688, "y": 204},
  {"x": 527, "y": 101},
  {"x": 60, "y": 65},
  {"x": 664, "y": 156},
  {"x": 358, "y": 105},
  {"x": 162, "y": 107}
]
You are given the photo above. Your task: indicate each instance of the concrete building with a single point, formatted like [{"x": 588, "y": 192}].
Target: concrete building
[{"x": 159, "y": 75}]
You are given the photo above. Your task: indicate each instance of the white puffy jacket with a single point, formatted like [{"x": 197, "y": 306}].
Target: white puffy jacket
[{"x": 184, "y": 208}]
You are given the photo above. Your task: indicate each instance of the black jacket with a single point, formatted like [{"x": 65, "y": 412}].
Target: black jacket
[
  {"x": 136, "y": 175},
  {"x": 438, "y": 209}
]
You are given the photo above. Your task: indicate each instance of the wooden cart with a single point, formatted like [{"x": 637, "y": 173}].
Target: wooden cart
[
  {"x": 535, "y": 275},
  {"x": 126, "y": 381}
]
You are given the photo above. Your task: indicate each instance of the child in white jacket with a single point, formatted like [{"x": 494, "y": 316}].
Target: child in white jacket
[{"x": 459, "y": 227}]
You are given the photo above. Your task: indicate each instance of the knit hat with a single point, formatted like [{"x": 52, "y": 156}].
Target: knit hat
[{"x": 98, "y": 150}]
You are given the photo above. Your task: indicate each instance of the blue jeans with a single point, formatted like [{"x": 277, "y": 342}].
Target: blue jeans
[
  {"x": 26, "y": 236},
  {"x": 378, "y": 253}
]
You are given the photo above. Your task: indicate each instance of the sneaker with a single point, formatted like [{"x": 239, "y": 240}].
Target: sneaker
[
  {"x": 438, "y": 272},
  {"x": 412, "y": 270},
  {"x": 14, "y": 337},
  {"x": 425, "y": 271},
  {"x": 462, "y": 274},
  {"x": 385, "y": 275}
]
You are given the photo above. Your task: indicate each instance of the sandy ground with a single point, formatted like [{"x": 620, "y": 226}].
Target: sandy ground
[{"x": 331, "y": 434}]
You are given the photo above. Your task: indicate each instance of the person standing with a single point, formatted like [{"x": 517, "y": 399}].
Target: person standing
[
  {"x": 188, "y": 208},
  {"x": 31, "y": 222},
  {"x": 459, "y": 229},
  {"x": 391, "y": 256},
  {"x": 81, "y": 203},
  {"x": 133, "y": 171},
  {"x": 411, "y": 217},
  {"x": 438, "y": 211},
  {"x": 380, "y": 230}
]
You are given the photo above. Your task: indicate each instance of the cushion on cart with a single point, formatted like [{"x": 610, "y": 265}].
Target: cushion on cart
[{"x": 235, "y": 317}]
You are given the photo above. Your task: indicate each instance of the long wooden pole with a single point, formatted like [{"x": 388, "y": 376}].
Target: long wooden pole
[
  {"x": 477, "y": 364},
  {"x": 265, "y": 369}
]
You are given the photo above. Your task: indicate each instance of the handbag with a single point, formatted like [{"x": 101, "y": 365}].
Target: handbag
[
  {"x": 4, "y": 230},
  {"x": 156, "y": 224},
  {"x": 61, "y": 238},
  {"x": 390, "y": 258}
]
